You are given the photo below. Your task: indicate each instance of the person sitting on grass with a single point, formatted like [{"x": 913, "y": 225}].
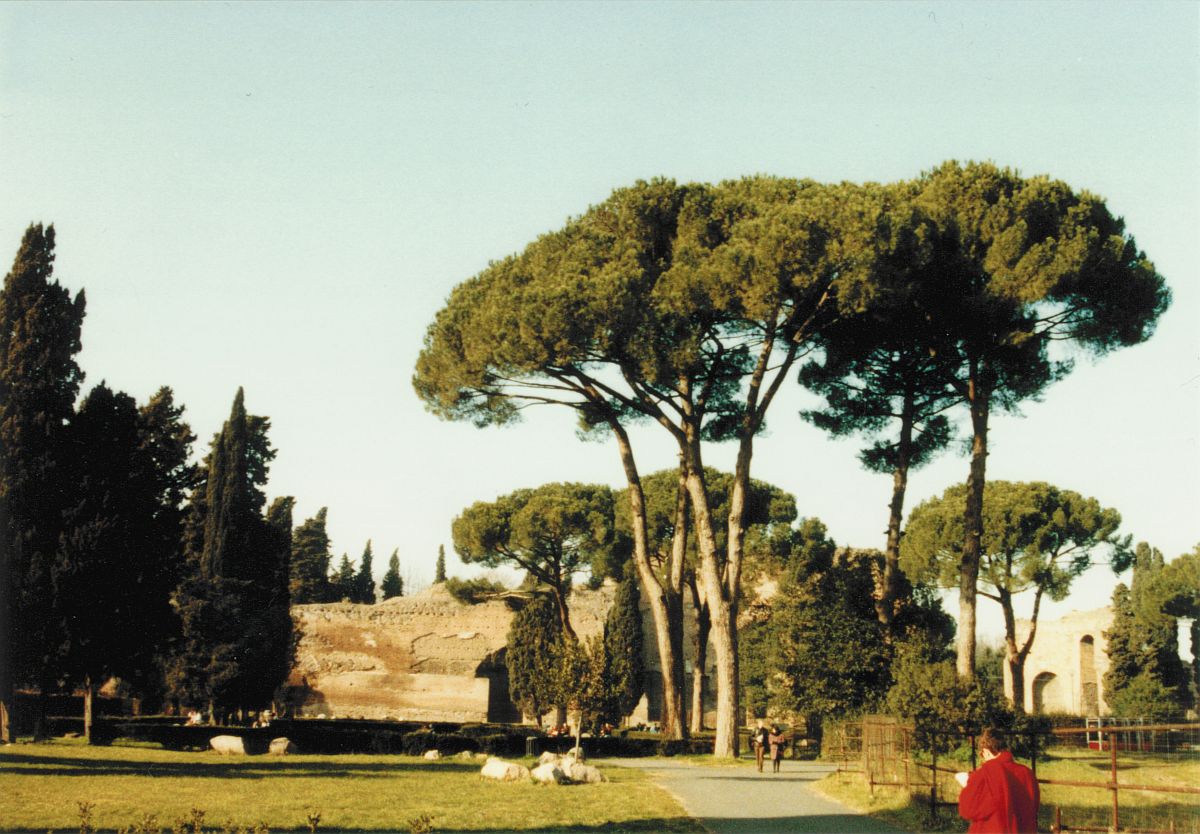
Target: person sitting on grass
[{"x": 1000, "y": 796}]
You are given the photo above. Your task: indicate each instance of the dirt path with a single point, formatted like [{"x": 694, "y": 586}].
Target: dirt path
[{"x": 740, "y": 800}]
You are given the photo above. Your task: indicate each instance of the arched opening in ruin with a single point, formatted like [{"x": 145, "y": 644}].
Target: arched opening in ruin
[
  {"x": 1089, "y": 690},
  {"x": 1047, "y": 693}
]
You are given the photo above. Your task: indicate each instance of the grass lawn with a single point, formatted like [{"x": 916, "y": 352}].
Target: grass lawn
[
  {"x": 42, "y": 784},
  {"x": 1081, "y": 807}
]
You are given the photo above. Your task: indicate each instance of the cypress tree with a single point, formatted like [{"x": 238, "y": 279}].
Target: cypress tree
[
  {"x": 344, "y": 581},
  {"x": 533, "y": 657},
  {"x": 113, "y": 570},
  {"x": 40, "y": 328},
  {"x": 310, "y": 561},
  {"x": 439, "y": 574},
  {"x": 237, "y": 640},
  {"x": 364, "y": 582},
  {"x": 392, "y": 585},
  {"x": 623, "y": 645}
]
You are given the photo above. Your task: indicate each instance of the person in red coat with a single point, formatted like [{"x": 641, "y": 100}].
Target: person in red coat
[{"x": 1000, "y": 796}]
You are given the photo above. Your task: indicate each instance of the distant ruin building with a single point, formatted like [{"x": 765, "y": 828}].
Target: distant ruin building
[
  {"x": 430, "y": 657},
  {"x": 1064, "y": 672}
]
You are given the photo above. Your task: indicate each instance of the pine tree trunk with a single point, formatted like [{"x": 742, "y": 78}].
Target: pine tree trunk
[
  {"x": 885, "y": 605},
  {"x": 972, "y": 529},
  {"x": 564, "y": 614},
  {"x": 703, "y": 627},
  {"x": 724, "y": 631},
  {"x": 7, "y": 702},
  {"x": 89, "y": 694},
  {"x": 671, "y": 720}
]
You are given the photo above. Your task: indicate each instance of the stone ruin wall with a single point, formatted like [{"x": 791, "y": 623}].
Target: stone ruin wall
[
  {"x": 430, "y": 657},
  {"x": 1064, "y": 672}
]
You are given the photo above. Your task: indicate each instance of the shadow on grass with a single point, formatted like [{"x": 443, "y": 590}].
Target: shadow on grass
[
  {"x": 816, "y": 824},
  {"x": 252, "y": 768}
]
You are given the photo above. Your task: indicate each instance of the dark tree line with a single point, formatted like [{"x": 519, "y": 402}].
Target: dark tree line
[{"x": 119, "y": 557}]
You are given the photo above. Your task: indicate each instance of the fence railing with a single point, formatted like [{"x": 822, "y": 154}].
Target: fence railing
[{"x": 885, "y": 751}]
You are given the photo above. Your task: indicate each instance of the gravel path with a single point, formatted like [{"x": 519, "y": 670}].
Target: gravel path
[{"x": 740, "y": 800}]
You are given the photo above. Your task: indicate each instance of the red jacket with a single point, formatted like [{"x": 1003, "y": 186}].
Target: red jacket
[{"x": 1001, "y": 796}]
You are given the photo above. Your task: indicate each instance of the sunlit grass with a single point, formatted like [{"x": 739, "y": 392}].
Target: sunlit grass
[
  {"x": 1081, "y": 807},
  {"x": 41, "y": 784}
]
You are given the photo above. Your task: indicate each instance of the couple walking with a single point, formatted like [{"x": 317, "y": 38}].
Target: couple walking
[{"x": 761, "y": 740}]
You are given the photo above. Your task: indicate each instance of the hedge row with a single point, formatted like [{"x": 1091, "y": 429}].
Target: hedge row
[{"x": 353, "y": 736}]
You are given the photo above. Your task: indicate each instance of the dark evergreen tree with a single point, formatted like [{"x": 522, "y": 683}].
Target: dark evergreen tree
[
  {"x": 392, "y": 585},
  {"x": 1145, "y": 673},
  {"x": 439, "y": 574},
  {"x": 237, "y": 641},
  {"x": 40, "y": 328},
  {"x": 113, "y": 570},
  {"x": 364, "y": 581},
  {"x": 344, "y": 581},
  {"x": 310, "y": 562},
  {"x": 533, "y": 657},
  {"x": 625, "y": 671}
]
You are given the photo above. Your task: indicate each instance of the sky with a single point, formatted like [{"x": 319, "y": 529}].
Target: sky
[{"x": 281, "y": 196}]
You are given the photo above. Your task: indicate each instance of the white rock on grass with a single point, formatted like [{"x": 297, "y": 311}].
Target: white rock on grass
[
  {"x": 503, "y": 771},
  {"x": 282, "y": 746},
  {"x": 550, "y": 773},
  {"x": 549, "y": 758},
  {"x": 227, "y": 745},
  {"x": 432, "y": 755},
  {"x": 579, "y": 772}
]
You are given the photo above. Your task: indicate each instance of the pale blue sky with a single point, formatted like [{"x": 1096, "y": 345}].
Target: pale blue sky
[{"x": 281, "y": 196}]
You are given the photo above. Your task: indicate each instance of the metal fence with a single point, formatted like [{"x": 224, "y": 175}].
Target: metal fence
[{"x": 887, "y": 754}]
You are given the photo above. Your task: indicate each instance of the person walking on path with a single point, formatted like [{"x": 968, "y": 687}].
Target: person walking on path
[
  {"x": 758, "y": 739},
  {"x": 1000, "y": 796},
  {"x": 777, "y": 742}
]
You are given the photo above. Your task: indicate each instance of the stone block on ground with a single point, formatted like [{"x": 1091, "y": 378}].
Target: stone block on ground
[
  {"x": 228, "y": 745},
  {"x": 282, "y": 746},
  {"x": 503, "y": 771},
  {"x": 550, "y": 773}
]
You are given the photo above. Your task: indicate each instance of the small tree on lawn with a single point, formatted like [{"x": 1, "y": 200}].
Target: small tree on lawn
[
  {"x": 532, "y": 657},
  {"x": 623, "y": 646}
]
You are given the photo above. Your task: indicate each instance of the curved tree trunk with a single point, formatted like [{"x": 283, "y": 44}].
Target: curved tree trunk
[
  {"x": 564, "y": 613},
  {"x": 972, "y": 528},
  {"x": 672, "y": 722}
]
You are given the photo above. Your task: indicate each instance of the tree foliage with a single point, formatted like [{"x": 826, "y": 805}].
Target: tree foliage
[
  {"x": 392, "y": 585},
  {"x": 364, "y": 580},
  {"x": 439, "y": 572},
  {"x": 1036, "y": 537},
  {"x": 1015, "y": 264},
  {"x": 237, "y": 643},
  {"x": 40, "y": 330},
  {"x": 1143, "y": 643},
  {"x": 624, "y": 672},
  {"x": 532, "y": 658},
  {"x": 553, "y": 532},
  {"x": 310, "y": 561}
]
